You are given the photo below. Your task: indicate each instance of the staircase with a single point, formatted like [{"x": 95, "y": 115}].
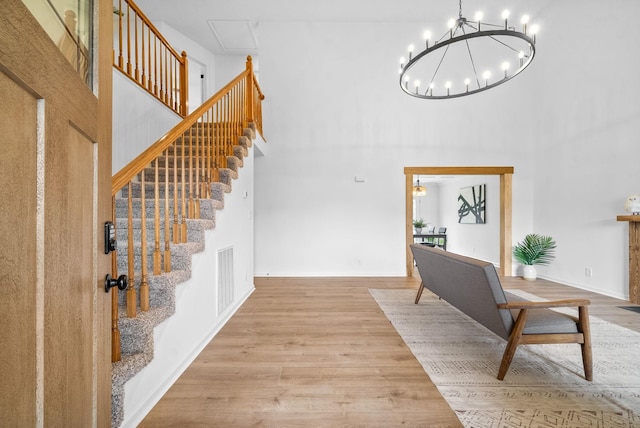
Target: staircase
[{"x": 136, "y": 333}]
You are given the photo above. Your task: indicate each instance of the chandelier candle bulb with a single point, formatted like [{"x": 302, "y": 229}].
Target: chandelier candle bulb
[
  {"x": 524, "y": 21},
  {"x": 505, "y": 67},
  {"x": 427, "y": 36},
  {"x": 479, "y": 16},
  {"x": 505, "y": 16},
  {"x": 534, "y": 30}
]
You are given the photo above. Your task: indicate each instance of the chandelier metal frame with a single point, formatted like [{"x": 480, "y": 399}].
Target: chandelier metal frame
[{"x": 525, "y": 58}]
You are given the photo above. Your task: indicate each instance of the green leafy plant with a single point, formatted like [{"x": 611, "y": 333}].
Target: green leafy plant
[
  {"x": 419, "y": 223},
  {"x": 535, "y": 250}
]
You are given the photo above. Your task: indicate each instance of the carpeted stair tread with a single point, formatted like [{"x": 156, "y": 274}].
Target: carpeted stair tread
[
  {"x": 161, "y": 287},
  {"x": 150, "y": 188},
  {"x": 208, "y": 207}
]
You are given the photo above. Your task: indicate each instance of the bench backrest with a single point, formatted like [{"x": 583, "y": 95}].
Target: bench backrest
[{"x": 471, "y": 285}]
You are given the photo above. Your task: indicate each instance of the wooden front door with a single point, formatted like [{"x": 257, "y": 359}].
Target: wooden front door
[{"x": 55, "y": 169}]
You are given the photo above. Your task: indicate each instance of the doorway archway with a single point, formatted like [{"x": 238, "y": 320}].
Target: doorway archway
[{"x": 506, "y": 175}]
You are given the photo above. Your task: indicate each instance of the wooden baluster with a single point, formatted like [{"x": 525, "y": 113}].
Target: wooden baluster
[
  {"x": 176, "y": 87},
  {"x": 167, "y": 88},
  {"x": 206, "y": 176},
  {"x": 176, "y": 227},
  {"x": 216, "y": 152},
  {"x": 156, "y": 223},
  {"x": 128, "y": 39},
  {"x": 131, "y": 292},
  {"x": 232, "y": 118},
  {"x": 161, "y": 73},
  {"x": 143, "y": 76},
  {"x": 144, "y": 284},
  {"x": 210, "y": 161},
  {"x": 249, "y": 102},
  {"x": 155, "y": 65},
  {"x": 149, "y": 68},
  {"x": 167, "y": 235},
  {"x": 170, "y": 80},
  {"x": 120, "y": 57},
  {"x": 183, "y": 196},
  {"x": 184, "y": 93},
  {"x": 236, "y": 113},
  {"x": 227, "y": 129},
  {"x": 199, "y": 132},
  {"x": 115, "y": 330},
  {"x": 237, "y": 120},
  {"x": 135, "y": 32}
]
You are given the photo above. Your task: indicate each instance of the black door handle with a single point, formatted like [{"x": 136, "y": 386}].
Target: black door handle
[{"x": 122, "y": 282}]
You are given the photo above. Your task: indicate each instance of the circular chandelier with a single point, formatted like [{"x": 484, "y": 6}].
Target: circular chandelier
[{"x": 471, "y": 57}]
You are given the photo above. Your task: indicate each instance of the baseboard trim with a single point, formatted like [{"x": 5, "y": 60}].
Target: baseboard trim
[{"x": 137, "y": 415}]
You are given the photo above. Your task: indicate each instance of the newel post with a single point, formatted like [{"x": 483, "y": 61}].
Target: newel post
[
  {"x": 634, "y": 256},
  {"x": 184, "y": 88},
  {"x": 248, "y": 107}
]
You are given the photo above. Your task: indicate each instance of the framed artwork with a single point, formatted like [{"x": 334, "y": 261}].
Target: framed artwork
[{"x": 471, "y": 204}]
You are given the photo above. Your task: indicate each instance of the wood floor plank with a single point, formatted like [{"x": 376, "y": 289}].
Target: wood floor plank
[
  {"x": 319, "y": 352},
  {"x": 306, "y": 352}
]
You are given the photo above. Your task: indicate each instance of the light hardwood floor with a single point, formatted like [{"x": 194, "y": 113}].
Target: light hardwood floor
[{"x": 319, "y": 352}]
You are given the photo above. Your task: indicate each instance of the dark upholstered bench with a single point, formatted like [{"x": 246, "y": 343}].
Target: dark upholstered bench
[{"x": 473, "y": 287}]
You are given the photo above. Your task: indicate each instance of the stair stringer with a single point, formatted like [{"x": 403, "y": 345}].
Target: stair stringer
[{"x": 185, "y": 328}]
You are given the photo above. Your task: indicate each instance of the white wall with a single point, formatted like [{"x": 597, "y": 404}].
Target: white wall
[
  {"x": 195, "y": 52},
  {"x": 568, "y": 125},
  {"x": 587, "y": 125},
  {"x": 333, "y": 110},
  {"x": 229, "y": 66},
  {"x": 139, "y": 120}
]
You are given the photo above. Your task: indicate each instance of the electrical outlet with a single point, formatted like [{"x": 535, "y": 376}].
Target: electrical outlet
[{"x": 588, "y": 272}]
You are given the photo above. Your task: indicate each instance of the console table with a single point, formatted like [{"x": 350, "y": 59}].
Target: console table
[
  {"x": 634, "y": 256},
  {"x": 432, "y": 236}
]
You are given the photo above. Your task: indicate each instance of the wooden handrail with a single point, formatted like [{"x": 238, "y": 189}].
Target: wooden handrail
[
  {"x": 134, "y": 167},
  {"x": 174, "y": 174},
  {"x": 144, "y": 55}
]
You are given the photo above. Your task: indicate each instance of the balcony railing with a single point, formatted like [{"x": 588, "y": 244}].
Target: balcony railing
[{"x": 145, "y": 56}]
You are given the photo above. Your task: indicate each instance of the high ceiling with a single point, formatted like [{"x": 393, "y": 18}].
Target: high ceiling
[{"x": 232, "y": 26}]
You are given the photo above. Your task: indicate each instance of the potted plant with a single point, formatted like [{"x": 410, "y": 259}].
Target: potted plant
[
  {"x": 534, "y": 250},
  {"x": 418, "y": 225}
]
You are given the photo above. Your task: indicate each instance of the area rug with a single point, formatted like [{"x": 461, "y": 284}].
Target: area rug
[{"x": 545, "y": 385}]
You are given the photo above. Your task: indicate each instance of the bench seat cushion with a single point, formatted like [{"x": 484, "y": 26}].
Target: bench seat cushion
[{"x": 544, "y": 321}]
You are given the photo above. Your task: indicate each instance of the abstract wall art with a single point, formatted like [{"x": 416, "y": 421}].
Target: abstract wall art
[{"x": 471, "y": 204}]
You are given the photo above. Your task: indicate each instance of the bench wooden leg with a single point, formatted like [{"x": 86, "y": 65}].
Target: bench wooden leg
[
  {"x": 512, "y": 344},
  {"x": 420, "y": 290},
  {"x": 583, "y": 324}
]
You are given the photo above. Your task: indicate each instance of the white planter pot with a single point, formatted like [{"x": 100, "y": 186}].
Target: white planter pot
[{"x": 529, "y": 273}]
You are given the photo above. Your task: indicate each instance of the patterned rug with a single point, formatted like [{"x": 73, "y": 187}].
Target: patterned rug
[{"x": 545, "y": 385}]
